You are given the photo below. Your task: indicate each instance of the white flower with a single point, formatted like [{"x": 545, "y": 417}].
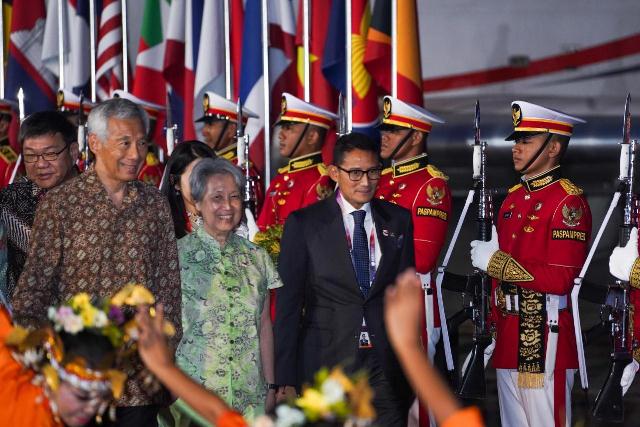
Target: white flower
[
  {"x": 332, "y": 391},
  {"x": 200, "y": 255},
  {"x": 72, "y": 324},
  {"x": 51, "y": 314},
  {"x": 263, "y": 421},
  {"x": 100, "y": 319},
  {"x": 289, "y": 417}
]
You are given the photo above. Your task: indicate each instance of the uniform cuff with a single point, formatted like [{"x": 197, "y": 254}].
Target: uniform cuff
[
  {"x": 503, "y": 267},
  {"x": 634, "y": 277}
]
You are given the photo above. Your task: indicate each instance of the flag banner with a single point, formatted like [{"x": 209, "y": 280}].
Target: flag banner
[{"x": 109, "y": 50}]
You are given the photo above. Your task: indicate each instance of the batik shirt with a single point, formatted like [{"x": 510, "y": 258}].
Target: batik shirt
[
  {"x": 18, "y": 204},
  {"x": 223, "y": 295},
  {"x": 82, "y": 242}
]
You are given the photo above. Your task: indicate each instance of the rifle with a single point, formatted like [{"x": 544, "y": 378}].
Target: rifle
[
  {"x": 21, "y": 115},
  {"x": 170, "y": 130},
  {"x": 242, "y": 141},
  {"x": 342, "y": 116},
  {"x": 609, "y": 405},
  {"x": 83, "y": 146},
  {"x": 473, "y": 383}
]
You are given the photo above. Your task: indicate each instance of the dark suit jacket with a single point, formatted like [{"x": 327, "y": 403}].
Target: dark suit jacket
[{"x": 319, "y": 309}]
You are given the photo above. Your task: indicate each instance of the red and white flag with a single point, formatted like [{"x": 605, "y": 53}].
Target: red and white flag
[{"x": 109, "y": 52}]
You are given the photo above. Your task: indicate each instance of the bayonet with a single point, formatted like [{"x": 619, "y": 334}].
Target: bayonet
[{"x": 21, "y": 115}]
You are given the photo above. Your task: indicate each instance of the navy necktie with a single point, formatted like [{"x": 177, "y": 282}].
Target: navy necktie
[{"x": 361, "y": 252}]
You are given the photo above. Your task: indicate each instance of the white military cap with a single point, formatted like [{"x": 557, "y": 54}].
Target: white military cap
[
  {"x": 296, "y": 110},
  {"x": 69, "y": 102},
  {"x": 217, "y": 107},
  {"x": 397, "y": 113},
  {"x": 529, "y": 119}
]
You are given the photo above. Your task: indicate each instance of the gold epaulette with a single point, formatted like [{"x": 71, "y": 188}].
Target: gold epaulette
[
  {"x": 7, "y": 154},
  {"x": 514, "y": 188},
  {"x": 322, "y": 168},
  {"x": 436, "y": 173},
  {"x": 152, "y": 160},
  {"x": 570, "y": 187},
  {"x": 283, "y": 169},
  {"x": 387, "y": 170}
]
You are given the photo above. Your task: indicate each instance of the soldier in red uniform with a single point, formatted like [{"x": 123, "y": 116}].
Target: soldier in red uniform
[
  {"x": 415, "y": 184},
  {"x": 219, "y": 132},
  {"x": 8, "y": 157},
  {"x": 152, "y": 169},
  {"x": 544, "y": 227},
  {"x": 418, "y": 186},
  {"x": 624, "y": 264},
  {"x": 305, "y": 179}
]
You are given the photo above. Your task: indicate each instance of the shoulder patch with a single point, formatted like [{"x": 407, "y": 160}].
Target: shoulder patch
[
  {"x": 514, "y": 188},
  {"x": 436, "y": 173},
  {"x": 7, "y": 154},
  {"x": 570, "y": 187}
]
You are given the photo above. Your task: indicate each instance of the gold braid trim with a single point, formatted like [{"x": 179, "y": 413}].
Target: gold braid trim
[
  {"x": 636, "y": 354},
  {"x": 503, "y": 267},
  {"x": 634, "y": 277}
]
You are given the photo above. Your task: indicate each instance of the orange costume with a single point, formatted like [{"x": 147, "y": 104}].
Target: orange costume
[{"x": 24, "y": 404}]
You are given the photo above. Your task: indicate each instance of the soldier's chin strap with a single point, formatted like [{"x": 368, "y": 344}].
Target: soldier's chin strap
[
  {"x": 400, "y": 145},
  {"x": 295, "y": 147},
  {"x": 535, "y": 157},
  {"x": 224, "y": 129}
]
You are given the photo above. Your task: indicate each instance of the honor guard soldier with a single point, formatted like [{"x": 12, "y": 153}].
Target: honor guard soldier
[
  {"x": 152, "y": 169},
  {"x": 304, "y": 180},
  {"x": 543, "y": 232},
  {"x": 69, "y": 104},
  {"x": 219, "y": 132},
  {"x": 8, "y": 156},
  {"x": 418, "y": 186}
]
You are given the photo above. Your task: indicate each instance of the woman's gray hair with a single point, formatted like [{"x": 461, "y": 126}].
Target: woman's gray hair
[
  {"x": 117, "y": 108},
  {"x": 205, "y": 169}
]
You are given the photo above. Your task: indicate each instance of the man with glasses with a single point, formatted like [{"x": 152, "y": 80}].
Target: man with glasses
[
  {"x": 49, "y": 153},
  {"x": 337, "y": 258},
  {"x": 304, "y": 180}
]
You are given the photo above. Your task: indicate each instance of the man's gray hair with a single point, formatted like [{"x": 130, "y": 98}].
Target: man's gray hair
[
  {"x": 205, "y": 169},
  {"x": 117, "y": 108}
]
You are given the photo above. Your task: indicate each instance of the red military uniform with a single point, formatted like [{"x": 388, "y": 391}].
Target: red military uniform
[
  {"x": 231, "y": 153},
  {"x": 544, "y": 224},
  {"x": 151, "y": 171},
  {"x": 422, "y": 189},
  {"x": 8, "y": 159},
  {"x": 302, "y": 182}
]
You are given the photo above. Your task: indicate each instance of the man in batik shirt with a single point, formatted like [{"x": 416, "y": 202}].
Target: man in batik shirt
[{"x": 100, "y": 231}]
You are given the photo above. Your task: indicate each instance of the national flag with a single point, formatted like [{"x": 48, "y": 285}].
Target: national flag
[
  {"x": 321, "y": 92},
  {"x": 378, "y": 51},
  {"x": 363, "y": 87},
  {"x": 75, "y": 31},
  {"x": 237, "y": 18},
  {"x": 25, "y": 68},
  {"x": 174, "y": 70},
  {"x": 109, "y": 76}
]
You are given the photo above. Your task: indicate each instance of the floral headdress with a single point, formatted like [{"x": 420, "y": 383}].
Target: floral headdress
[
  {"x": 42, "y": 350},
  {"x": 333, "y": 398}
]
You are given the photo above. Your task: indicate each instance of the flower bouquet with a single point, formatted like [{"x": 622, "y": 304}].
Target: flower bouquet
[
  {"x": 269, "y": 240},
  {"x": 333, "y": 400}
]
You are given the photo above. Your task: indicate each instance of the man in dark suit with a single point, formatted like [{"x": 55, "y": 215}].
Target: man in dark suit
[{"x": 337, "y": 257}]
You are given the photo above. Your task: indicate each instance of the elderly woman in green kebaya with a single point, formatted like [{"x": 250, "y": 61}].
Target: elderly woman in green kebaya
[{"x": 227, "y": 342}]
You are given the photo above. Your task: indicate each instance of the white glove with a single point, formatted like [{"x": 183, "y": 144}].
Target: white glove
[
  {"x": 251, "y": 224},
  {"x": 622, "y": 259},
  {"x": 488, "y": 352},
  {"x": 481, "y": 252},
  {"x": 628, "y": 374}
]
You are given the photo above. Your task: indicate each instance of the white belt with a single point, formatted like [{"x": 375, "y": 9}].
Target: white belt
[{"x": 511, "y": 302}]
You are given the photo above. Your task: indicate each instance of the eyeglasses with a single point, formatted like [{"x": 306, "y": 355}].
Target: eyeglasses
[
  {"x": 47, "y": 157},
  {"x": 357, "y": 174}
]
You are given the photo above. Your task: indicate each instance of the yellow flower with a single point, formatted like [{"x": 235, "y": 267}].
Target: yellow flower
[
  {"x": 133, "y": 294},
  {"x": 80, "y": 301},
  {"x": 88, "y": 314},
  {"x": 313, "y": 401},
  {"x": 340, "y": 377}
]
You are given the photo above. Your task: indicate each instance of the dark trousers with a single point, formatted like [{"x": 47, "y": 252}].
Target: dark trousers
[
  {"x": 131, "y": 416},
  {"x": 391, "y": 409}
]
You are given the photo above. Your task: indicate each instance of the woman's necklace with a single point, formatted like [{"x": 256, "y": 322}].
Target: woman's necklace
[{"x": 195, "y": 220}]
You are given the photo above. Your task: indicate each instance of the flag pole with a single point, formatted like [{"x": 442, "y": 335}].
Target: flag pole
[
  {"x": 125, "y": 48},
  {"x": 60, "y": 46},
  {"x": 2, "y": 50},
  {"x": 267, "y": 93},
  {"x": 305, "y": 43},
  {"x": 394, "y": 48},
  {"x": 92, "y": 37},
  {"x": 21, "y": 116},
  {"x": 349, "y": 93},
  {"x": 227, "y": 50}
]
